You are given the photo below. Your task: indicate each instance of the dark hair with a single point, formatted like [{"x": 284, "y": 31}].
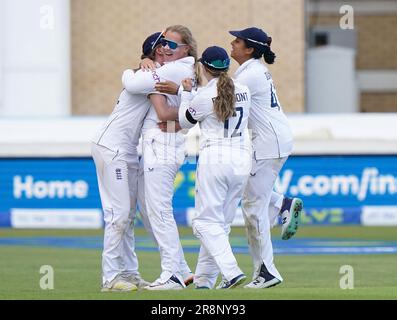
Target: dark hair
[
  {"x": 151, "y": 56},
  {"x": 268, "y": 55}
]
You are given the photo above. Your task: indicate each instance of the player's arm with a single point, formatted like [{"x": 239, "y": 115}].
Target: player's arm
[
  {"x": 164, "y": 111},
  {"x": 168, "y": 87},
  {"x": 147, "y": 64},
  {"x": 170, "y": 126},
  {"x": 140, "y": 82},
  {"x": 186, "y": 117},
  {"x": 191, "y": 110},
  {"x": 143, "y": 82}
]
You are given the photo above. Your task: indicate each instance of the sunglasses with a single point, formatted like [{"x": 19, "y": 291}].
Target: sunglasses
[
  {"x": 171, "y": 44},
  {"x": 218, "y": 64}
]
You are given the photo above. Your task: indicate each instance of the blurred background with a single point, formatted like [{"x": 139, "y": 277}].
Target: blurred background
[{"x": 60, "y": 75}]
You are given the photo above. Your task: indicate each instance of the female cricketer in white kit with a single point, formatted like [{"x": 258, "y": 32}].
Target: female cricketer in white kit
[
  {"x": 164, "y": 153},
  {"x": 272, "y": 144},
  {"x": 114, "y": 150},
  {"x": 221, "y": 108}
]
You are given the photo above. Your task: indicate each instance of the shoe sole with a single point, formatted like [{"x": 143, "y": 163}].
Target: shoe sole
[
  {"x": 118, "y": 290},
  {"x": 269, "y": 284},
  {"x": 139, "y": 284},
  {"x": 297, "y": 206},
  {"x": 162, "y": 289},
  {"x": 273, "y": 284}
]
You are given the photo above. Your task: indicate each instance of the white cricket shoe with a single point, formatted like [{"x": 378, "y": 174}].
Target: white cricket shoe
[
  {"x": 119, "y": 285},
  {"x": 261, "y": 283},
  {"x": 222, "y": 283},
  {"x": 263, "y": 280},
  {"x": 172, "y": 283},
  {"x": 236, "y": 281},
  {"x": 290, "y": 217},
  {"x": 136, "y": 280}
]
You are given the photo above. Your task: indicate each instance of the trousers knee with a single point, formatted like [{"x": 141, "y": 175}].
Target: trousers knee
[
  {"x": 196, "y": 232},
  {"x": 121, "y": 223}
]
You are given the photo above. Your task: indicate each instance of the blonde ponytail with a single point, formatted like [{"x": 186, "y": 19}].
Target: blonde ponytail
[{"x": 224, "y": 103}]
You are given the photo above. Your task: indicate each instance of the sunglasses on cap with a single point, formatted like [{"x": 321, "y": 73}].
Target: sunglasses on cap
[
  {"x": 258, "y": 42},
  {"x": 157, "y": 41},
  {"x": 218, "y": 64},
  {"x": 171, "y": 44}
]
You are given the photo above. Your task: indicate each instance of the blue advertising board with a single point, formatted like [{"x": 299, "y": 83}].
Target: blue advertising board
[{"x": 335, "y": 189}]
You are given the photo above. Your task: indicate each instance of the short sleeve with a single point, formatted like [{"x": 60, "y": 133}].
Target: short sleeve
[
  {"x": 200, "y": 107},
  {"x": 192, "y": 110}
]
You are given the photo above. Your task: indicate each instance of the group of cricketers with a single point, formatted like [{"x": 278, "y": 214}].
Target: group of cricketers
[{"x": 245, "y": 139}]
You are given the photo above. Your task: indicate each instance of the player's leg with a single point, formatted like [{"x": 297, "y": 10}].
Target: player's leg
[
  {"x": 252, "y": 206},
  {"x": 187, "y": 274},
  {"x": 159, "y": 185},
  {"x": 237, "y": 180},
  {"x": 255, "y": 206},
  {"x": 276, "y": 201},
  {"x": 213, "y": 237},
  {"x": 185, "y": 270},
  {"x": 113, "y": 185},
  {"x": 209, "y": 224},
  {"x": 130, "y": 271},
  {"x": 141, "y": 199},
  {"x": 289, "y": 209},
  {"x": 234, "y": 195},
  {"x": 206, "y": 272},
  {"x": 129, "y": 256}
]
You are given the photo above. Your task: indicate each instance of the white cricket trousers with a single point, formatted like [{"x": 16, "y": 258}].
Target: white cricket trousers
[
  {"x": 184, "y": 267},
  {"x": 276, "y": 202},
  {"x": 162, "y": 160},
  {"x": 219, "y": 188},
  {"x": 118, "y": 188},
  {"x": 255, "y": 208}
]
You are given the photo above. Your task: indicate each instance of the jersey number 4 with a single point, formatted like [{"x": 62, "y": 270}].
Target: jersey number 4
[
  {"x": 235, "y": 132},
  {"x": 274, "y": 103}
]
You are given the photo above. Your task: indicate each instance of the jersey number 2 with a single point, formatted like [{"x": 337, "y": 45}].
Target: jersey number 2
[{"x": 235, "y": 132}]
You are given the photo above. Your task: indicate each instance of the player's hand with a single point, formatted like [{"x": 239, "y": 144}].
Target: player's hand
[
  {"x": 147, "y": 65},
  {"x": 169, "y": 126},
  {"x": 187, "y": 84},
  {"x": 167, "y": 87}
]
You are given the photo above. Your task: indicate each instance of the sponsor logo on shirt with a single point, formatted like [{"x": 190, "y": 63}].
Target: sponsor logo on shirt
[
  {"x": 192, "y": 111},
  {"x": 155, "y": 76},
  {"x": 118, "y": 174}
]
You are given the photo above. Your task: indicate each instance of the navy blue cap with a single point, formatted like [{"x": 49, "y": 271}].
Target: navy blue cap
[
  {"x": 257, "y": 37},
  {"x": 151, "y": 42},
  {"x": 215, "y": 58}
]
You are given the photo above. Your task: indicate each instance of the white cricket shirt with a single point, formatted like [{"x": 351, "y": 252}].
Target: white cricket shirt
[
  {"x": 144, "y": 82},
  {"x": 200, "y": 108},
  {"x": 271, "y": 133},
  {"x": 122, "y": 129}
]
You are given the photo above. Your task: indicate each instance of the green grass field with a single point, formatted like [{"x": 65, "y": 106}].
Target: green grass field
[{"x": 77, "y": 271}]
